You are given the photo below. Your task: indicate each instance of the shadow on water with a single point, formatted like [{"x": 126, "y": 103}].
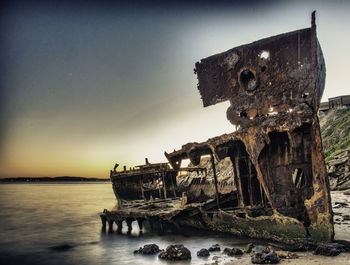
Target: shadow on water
[
  {"x": 69, "y": 246},
  {"x": 62, "y": 247}
]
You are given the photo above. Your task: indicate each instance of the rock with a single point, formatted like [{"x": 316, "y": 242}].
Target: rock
[
  {"x": 346, "y": 217},
  {"x": 269, "y": 258},
  {"x": 329, "y": 249},
  {"x": 233, "y": 252},
  {"x": 215, "y": 247},
  {"x": 149, "y": 249},
  {"x": 340, "y": 205},
  {"x": 263, "y": 255},
  {"x": 203, "y": 253},
  {"x": 338, "y": 171},
  {"x": 286, "y": 254},
  {"x": 261, "y": 249},
  {"x": 345, "y": 244},
  {"x": 249, "y": 248},
  {"x": 175, "y": 252}
]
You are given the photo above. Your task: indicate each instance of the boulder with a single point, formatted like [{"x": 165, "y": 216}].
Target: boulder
[
  {"x": 233, "y": 252},
  {"x": 249, "y": 248},
  {"x": 263, "y": 255},
  {"x": 175, "y": 252},
  {"x": 149, "y": 249},
  {"x": 329, "y": 249},
  {"x": 215, "y": 247},
  {"x": 260, "y": 249},
  {"x": 203, "y": 253}
]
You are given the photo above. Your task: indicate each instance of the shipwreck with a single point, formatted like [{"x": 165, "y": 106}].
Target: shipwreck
[{"x": 268, "y": 178}]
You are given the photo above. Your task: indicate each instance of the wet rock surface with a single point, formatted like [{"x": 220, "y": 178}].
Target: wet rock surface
[
  {"x": 233, "y": 252},
  {"x": 249, "y": 248},
  {"x": 149, "y": 249},
  {"x": 263, "y": 255},
  {"x": 215, "y": 247},
  {"x": 175, "y": 252},
  {"x": 203, "y": 253},
  {"x": 329, "y": 249}
]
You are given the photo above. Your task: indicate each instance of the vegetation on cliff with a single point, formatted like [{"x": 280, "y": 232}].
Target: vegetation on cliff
[{"x": 335, "y": 129}]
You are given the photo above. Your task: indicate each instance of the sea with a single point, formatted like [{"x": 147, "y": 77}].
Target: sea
[{"x": 59, "y": 223}]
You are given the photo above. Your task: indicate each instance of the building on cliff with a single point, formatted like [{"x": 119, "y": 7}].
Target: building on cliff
[{"x": 335, "y": 103}]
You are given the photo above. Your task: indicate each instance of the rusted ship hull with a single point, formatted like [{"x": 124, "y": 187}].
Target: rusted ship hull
[{"x": 280, "y": 189}]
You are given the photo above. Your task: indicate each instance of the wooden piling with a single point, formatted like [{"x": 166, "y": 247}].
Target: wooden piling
[
  {"x": 140, "y": 223},
  {"x": 119, "y": 226},
  {"x": 110, "y": 225},
  {"x": 129, "y": 221},
  {"x": 238, "y": 181},
  {"x": 104, "y": 221},
  {"x": 142, "y": 190},
  {"x": 164, "y": 187}
]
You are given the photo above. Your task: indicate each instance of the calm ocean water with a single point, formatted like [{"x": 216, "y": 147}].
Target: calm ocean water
[{"x": 36, "y": 217}]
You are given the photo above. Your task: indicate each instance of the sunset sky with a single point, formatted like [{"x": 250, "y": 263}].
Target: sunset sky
[{"x": 86, "y": 85}]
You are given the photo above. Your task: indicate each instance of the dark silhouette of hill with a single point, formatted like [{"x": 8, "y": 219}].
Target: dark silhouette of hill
[{"x": 53, "y": 179}]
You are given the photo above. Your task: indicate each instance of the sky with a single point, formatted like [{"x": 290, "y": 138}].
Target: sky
[{"x": 87, "y": 84}]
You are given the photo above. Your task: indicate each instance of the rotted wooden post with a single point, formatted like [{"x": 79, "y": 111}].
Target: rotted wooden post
[
  {"x": 140, "y": 223},
  {"x": 164, "y": 187},
  {"x": 262, "y": 193},
  {"x": 104, "y": 221},
  {"x": 110, "y": 225},
  {"x": 173, "y": 186},
  {"x": 129, "y": 221},
  {"x": 238, "y": 181},
  {"x": 215, "y": 180},
  {"x": 119, "y": 226},
  {"x": 142, "y": 190},
  {"x": 159, "y": 188},
  {"x": 250, "y": 186}
]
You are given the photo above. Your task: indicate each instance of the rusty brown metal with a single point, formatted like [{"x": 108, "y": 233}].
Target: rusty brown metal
[
  {"x": 274, "y": 86},
  {"x": 281, "y": 191}
]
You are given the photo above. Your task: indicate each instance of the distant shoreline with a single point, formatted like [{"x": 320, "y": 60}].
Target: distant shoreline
[{"x": 51, "y": 179}]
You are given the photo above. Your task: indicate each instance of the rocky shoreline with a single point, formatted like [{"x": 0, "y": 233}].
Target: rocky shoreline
[{"x": 259, "y": 254}]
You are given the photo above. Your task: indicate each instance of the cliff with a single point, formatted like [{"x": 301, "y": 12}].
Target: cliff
[{"x": 335, "y": 128}]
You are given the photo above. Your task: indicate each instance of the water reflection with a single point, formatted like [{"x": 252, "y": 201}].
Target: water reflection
[{"x": 37, "y": 217}]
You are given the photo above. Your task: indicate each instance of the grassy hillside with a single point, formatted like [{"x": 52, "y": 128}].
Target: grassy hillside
[{"x": 335, "y": 129}]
